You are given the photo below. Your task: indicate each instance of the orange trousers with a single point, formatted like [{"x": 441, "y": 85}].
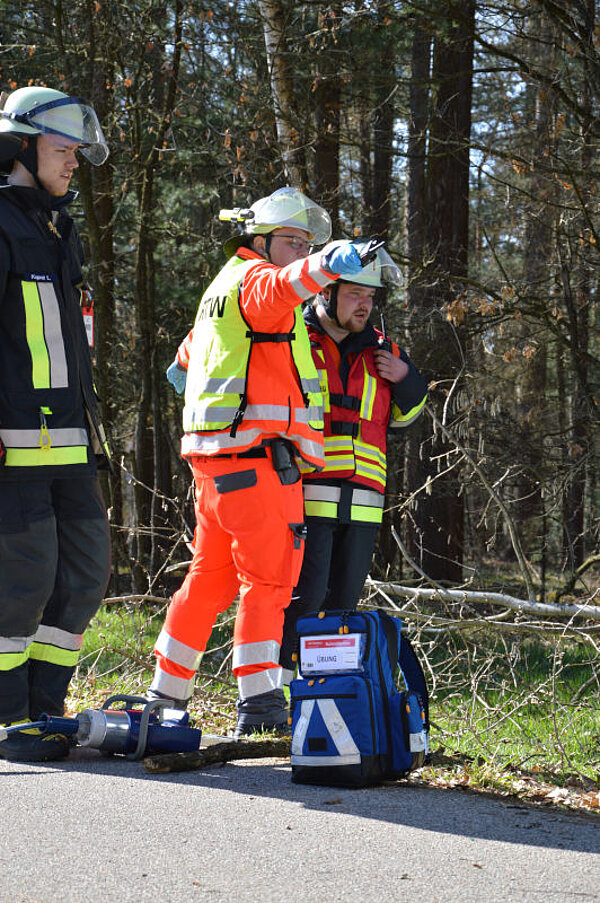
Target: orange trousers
[{"x": 248, "y": 539}]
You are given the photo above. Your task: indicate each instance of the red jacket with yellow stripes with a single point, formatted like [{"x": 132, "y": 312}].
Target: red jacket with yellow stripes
[{"x": 360, "y": 407}]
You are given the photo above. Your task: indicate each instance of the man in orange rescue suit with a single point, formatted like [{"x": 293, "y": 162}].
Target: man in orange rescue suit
[
  {"x": 370, "y": 388},
  {"x": 252, "y": 410},
  {"x": 54, "y": 537}
]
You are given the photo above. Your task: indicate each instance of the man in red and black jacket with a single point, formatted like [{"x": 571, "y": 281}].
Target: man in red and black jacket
[{"x": 371, "y": 390}]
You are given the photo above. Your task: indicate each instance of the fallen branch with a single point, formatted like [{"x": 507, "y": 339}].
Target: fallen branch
[
  {"x": 220, "y": 752},
  {"x": 541, "y": 609}
]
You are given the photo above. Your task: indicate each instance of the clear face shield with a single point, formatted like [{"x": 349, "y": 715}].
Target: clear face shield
[
  {"x": 73, "y": 118},
  {"x": 289, "y": 207},
  {"x": 391, "y": 275}
]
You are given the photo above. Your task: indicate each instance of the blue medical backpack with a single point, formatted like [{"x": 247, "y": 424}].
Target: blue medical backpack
[{"x": 351, "y": 725}]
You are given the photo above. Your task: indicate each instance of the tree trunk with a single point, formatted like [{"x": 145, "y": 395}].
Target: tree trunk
[
  {"x": 584, "y": 409},
  {"x": 328, "y": 99},
  {"x": 415, "y": 232},
  {"x": 282, "y": 88},
  {"x": 440, "y": 513}
]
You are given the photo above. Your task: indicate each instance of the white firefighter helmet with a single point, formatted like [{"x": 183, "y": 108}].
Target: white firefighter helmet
[
  {"x": 38, "y": 111},
  {"x": 289, "y": 207},
  {"x": 381, "y": 272}
]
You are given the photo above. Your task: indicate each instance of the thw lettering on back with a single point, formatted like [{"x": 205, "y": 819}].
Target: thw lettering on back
[{"x": 212, "y": 307}]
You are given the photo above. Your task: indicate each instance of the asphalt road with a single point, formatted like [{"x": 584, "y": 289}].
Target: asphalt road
[{"x": 98, "y": 830}]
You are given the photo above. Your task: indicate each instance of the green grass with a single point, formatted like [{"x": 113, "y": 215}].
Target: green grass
[
  {"x": 533, "y": 705},
  {"x": 496, "y": 704}
]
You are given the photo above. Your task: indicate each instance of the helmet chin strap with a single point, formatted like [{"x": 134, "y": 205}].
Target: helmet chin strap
[
  {"x": 268, "y": 238},
  {"x": 330, "y": 304},
  {"x": 27, "y": 157}
]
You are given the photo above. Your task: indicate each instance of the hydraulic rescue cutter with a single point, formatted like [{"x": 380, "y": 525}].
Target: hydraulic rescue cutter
[{"x": 139, "y": 728}]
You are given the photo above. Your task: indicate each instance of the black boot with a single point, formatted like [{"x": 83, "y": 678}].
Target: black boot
[
  {"x": 33, "y": 745},
  {"x": 265, "y": 712}
]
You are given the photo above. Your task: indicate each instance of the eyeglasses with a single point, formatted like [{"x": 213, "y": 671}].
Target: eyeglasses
[{"x": 298, "y": 244}]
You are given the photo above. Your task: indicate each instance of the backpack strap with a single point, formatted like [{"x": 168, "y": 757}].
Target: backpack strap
[
  {"x": 392, "y": 637},
  {"x": 413, "y": 674}
]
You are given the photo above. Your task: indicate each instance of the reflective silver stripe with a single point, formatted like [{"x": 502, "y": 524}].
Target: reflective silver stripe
[
  {"x": 204, "y": 444},
  {"x": 59, "y": 376},
  {"x": 255, "y": 653},
  {"x": 370, "y": 453},
  {"x": 295, "y": 279},
  {"x": 54, "y": 636},
  {"x": 237, "y": 386},
  {"x": 288, "y": 676},
  {"x": 311, "y": 385},
  {"x": 307, "y": 415},
  {"x": 12, "y": 644},
  {"x": 170, "y": 686},
  {"x": 60, "y": 438},
  {"x": 177, "y": 652},
  {"x": 317, "y": 761},
  {"x": 313, "y": 492},
  {"x": 301, "y": 727},
  {"x": 348, "y": 751},
  {"x": 315, "y": 272},
  {"x": 338, "y": 728},
  {"x": 204, "y": 413},
  {"x": 232, "y": 384},
  {"x": 369, "y": 497},
  {"x": 261, "y": 682},
  {"x": 302, "y": 292},
  {"x": 307, "y": 446}
]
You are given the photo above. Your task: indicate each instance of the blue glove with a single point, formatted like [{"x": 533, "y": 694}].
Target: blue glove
[
  {"x": 341, "y": 258},
  {"x": 177, "y": 376}
]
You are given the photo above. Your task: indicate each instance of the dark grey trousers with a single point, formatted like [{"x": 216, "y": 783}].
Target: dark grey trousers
[
  {"x": 337, "y": 560},
  {"x": 54, "y": 570}
]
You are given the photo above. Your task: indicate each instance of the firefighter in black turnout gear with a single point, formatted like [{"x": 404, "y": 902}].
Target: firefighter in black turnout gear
[{"x": 54, "y": 537}]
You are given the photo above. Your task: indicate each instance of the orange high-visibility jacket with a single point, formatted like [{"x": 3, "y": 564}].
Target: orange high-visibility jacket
[{"x": 250, "y": 372}]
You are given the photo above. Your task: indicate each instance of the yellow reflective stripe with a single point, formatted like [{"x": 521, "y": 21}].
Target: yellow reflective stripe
[
  {"x": 40, "y": 457},
  {"x": 370, "y": 452},
  {"x": 43, "y": 652},
  {"x": 321, "y": 509},
  {"x": 324, "y": 389},
  {"x": 10, "y": 660},
  {"x": 370, "y": 462},
  {"x": 338, "y": 462},
  {"x": 365, "y": 513},
  {"x": 339, "y": 450},
  {"x": 400, "y": 419},
  {"x": 368, "y": 395},
  {"x": 372, "y": 473},
  {"x": 34, "y": 330}
]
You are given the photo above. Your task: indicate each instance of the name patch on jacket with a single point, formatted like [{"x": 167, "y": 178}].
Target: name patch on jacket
[{"x": 39, "y": 277}]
